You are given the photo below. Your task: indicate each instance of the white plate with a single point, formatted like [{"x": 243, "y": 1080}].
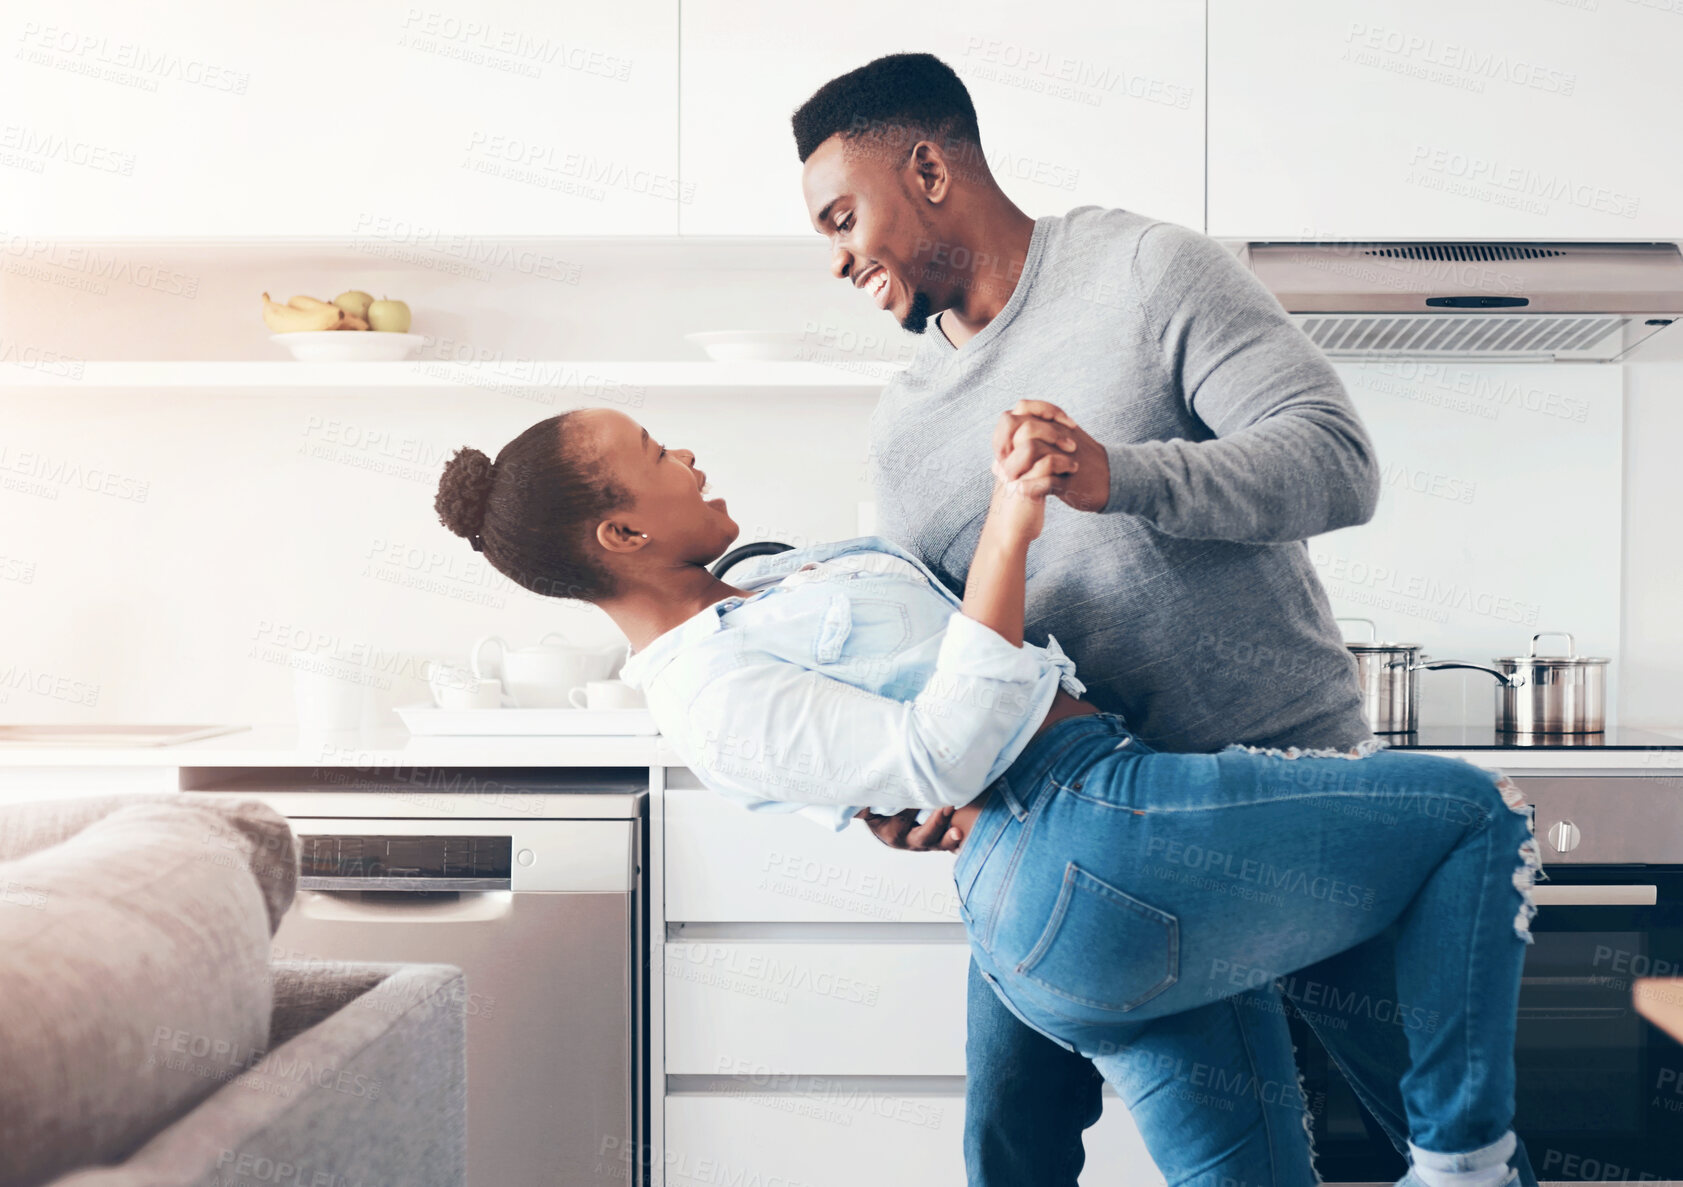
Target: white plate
[
  {"x": 429, "y": 721},
  {"x": 757, "y": 346},
  {"x": 349, "y": 346}
]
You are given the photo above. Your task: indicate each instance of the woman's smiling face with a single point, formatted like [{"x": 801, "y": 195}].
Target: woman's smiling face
[{"x": 668, "y": 501}]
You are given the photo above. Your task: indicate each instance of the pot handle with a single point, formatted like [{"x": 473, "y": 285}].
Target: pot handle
[
  {"x": 1372, "y": 630},
  {"x": 1440, "y": 665},
  {"x": 1571, "y": 643}
]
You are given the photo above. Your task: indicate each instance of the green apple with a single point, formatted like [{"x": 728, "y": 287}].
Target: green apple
[
  {"x": 391, "y": 316},
  {"x": 355, "y": 303}
]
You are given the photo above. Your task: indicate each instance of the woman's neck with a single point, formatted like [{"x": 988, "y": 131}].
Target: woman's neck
[{"x": 646, "y": 608}]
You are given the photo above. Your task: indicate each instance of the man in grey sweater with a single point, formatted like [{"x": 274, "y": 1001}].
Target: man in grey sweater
[{"x": 1214, "y": 440}]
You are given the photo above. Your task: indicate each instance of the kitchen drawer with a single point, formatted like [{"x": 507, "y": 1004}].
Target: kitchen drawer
[
  {"x": 727, "y": 864},
  {"x": 793, "y": 1007},
  {"x": 840, "y": 1133}
]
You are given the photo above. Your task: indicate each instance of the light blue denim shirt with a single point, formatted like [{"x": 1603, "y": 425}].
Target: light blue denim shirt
[{"x": 849, "y": 677}]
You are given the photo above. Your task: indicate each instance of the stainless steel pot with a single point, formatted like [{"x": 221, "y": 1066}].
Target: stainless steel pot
[
  {"x": 1552, "y": 694},
  {"x": 1385, "y": 671}
]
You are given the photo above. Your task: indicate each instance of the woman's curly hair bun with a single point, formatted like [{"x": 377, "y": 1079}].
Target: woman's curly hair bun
[{"x": 464, "y": 492}]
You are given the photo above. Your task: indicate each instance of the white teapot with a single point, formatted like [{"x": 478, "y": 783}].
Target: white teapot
[{"x": 544, "y": 676}]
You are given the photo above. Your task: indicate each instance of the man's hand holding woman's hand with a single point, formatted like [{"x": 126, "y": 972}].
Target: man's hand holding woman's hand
[
  {"x": 1038, "y": 450},
  {"x": 1040, "y": 444}
]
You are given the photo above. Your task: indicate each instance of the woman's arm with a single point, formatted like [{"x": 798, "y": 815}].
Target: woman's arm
[{"x": 995, "y": 586}]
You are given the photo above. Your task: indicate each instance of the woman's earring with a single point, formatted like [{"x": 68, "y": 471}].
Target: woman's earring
[{"x": 645, "y": 535}]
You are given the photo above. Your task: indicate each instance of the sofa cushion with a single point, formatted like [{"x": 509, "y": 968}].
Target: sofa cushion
[{"x": 134, "y": 966}]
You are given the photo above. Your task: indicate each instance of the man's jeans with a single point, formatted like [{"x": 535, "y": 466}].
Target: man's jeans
[{"x": 1213, "y": 1089}]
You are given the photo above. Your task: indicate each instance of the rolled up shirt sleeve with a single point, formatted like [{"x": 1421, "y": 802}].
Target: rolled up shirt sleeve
[{"x": 769, "y": 730}]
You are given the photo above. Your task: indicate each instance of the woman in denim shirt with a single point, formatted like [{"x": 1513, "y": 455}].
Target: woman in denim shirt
[{"x": 1101, "y": 884}]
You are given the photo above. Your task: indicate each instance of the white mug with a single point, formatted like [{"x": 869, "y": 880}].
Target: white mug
[{"x": 606, "y": 694}]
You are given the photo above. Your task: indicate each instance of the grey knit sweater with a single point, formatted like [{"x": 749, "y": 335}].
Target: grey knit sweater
[{"x": 1189, "y": 604}]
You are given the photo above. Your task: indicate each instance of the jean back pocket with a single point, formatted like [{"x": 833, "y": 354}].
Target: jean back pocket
[{"x": 1103, "y": 949}]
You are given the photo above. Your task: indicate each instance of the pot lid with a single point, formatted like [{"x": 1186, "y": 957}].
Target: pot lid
[
  {"x": 1551, "y": 661},
  {"x": 1376, "y": 648},
  {"x": 1569, "y": 660}
]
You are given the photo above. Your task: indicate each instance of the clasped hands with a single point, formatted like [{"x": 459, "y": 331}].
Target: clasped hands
[{"x": 1039, "y": 446}]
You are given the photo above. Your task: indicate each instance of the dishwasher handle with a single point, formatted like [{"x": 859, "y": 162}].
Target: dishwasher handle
[{"x": 330, "y": 906}]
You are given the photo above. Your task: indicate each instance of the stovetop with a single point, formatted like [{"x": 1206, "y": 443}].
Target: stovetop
[{"x": 1484, "y": 737}]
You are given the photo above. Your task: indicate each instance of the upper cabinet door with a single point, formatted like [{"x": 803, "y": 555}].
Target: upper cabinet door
[
  {"x": 388, "y": 120},
  {"x": 1443, "y": 118},
  {"x": 1078, "y": 101}
]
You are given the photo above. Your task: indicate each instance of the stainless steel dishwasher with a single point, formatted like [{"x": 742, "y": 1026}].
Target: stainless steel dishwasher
[{"x": 535, "y": 892}]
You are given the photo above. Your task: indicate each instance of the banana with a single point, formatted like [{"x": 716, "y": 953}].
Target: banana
[
  {"x": 286, "y": 319},
  {"x": 310, "y": 303}
]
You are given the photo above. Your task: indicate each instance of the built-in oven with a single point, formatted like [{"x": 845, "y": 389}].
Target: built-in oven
[{"x": 1599, "y": 1092}]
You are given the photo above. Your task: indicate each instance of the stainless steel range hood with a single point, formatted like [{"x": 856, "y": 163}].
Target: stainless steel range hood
[{"x": 1502, "y": 302}]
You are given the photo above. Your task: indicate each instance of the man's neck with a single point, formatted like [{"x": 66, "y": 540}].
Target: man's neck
[{"x": 999, "y": 250}]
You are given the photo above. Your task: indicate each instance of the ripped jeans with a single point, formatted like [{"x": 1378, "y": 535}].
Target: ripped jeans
[{"x": 1104, "y": 885}]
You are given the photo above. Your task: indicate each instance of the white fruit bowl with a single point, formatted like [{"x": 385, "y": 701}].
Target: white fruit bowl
[
  {"x": 349, "y": 346},
  {"x": 743, "y": 346}
]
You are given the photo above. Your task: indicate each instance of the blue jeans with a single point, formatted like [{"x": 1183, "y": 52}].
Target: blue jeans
[{"x": 1164, "y": 896}]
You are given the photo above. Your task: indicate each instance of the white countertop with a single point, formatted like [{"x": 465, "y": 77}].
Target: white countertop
[
  {"x": 394, "y": 746},
  {"x": 284, "y": 746}
]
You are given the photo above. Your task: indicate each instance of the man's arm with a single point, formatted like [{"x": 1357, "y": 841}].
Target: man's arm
[{"x": 1289, "y": 459}]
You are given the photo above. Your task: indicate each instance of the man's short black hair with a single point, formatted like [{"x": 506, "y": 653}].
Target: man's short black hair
[{"x": 894, "y": 95}]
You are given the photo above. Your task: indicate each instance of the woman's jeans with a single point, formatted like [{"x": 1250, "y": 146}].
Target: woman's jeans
[{"x": 1105, "y": 885}]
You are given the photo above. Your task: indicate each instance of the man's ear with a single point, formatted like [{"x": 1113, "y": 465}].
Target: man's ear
[
  {"x": 931, "y": 171},
  {"x": 620, "y": 537}
]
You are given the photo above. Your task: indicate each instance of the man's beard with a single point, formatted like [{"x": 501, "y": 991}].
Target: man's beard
[{"x": 917, "y": 317}]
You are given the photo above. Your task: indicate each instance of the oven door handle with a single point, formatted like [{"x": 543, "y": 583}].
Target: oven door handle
[{"x": 1595, "y": 896}]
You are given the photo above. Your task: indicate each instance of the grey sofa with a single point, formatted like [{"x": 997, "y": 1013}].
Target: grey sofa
[{"x": 148, "y": 1039}]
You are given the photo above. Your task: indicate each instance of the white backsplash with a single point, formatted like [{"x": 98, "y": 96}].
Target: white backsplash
[
  {"x": 207, "y": 537},
  {"x": 1498, "y": 515}
]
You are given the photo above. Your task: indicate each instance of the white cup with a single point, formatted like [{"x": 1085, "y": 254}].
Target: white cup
[
  {"x": 606, "y": 694},
  {"x": 328, "y": 697},
  {"x": 453, "y": 687}
]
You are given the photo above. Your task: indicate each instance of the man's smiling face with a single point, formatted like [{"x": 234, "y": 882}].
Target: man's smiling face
[{"x": 864, "y": 197}]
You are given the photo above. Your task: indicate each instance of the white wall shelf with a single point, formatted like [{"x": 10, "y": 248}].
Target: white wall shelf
[{"x": 588, "y": 377}]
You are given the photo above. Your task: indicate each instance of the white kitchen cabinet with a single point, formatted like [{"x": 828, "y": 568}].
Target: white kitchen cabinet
[
  {"x": 1078, "y": 101},
  {"x": 827, "y": 1007},
  {"x": 390, "y": 123},
  {"x": 840, "y": 1133},
  {"x": 724, "y": 863},
  {"x": 1440, "y": 118}
]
